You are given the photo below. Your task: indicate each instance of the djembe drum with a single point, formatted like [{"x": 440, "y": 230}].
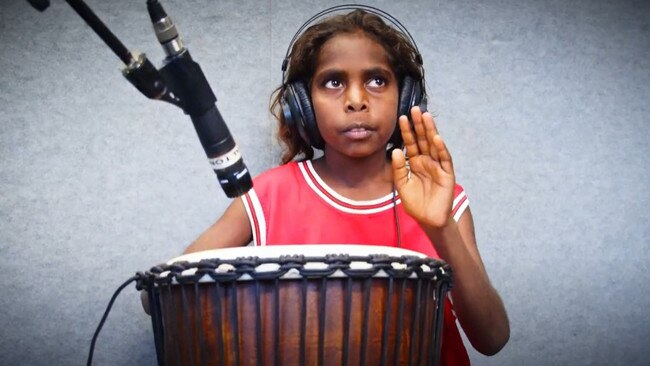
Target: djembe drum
[{"x": 297, "y": 305}]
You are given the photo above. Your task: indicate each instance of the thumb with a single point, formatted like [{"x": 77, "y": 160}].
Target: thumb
[{"x": 400, "y": 171}]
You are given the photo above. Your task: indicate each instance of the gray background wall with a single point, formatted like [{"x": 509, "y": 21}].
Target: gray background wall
[{"x": 543, "y": 103}]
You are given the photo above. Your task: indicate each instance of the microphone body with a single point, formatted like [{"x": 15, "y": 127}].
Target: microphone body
[{"x": 188, "y": 84}]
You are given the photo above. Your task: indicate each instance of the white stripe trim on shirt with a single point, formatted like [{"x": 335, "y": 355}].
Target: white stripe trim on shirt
[
  {"x": 458, "y": 199},
  {"x": 314, "y": 187},
  {"x": 256, "y": 213},
  {"x": 461, "y": 209}
]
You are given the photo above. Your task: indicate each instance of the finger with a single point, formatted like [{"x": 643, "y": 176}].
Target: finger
[
  {"x": 400, "y": 170},
  {"x": 420, "y": 132},
  {"x": 444, "y": 157},
  {"x": 407, "y": 135},
  {"x": 426, "y": 116},
  {"x": 431, "y": 131}
]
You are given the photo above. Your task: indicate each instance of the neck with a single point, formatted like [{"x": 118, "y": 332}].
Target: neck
[{"x": 357, "y": 178}]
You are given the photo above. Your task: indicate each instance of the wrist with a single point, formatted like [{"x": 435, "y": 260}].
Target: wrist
[
  {"x": 438, "y": 223},
  {"x": 440, "y": 229}
]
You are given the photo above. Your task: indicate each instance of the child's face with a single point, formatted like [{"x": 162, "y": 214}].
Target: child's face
[{"x": 354, "y": 94}]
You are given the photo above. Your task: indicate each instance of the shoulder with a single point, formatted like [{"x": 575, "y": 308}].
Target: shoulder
[
  {"x": 278, "y": 173},
  {"x": 279, "y": 180}
]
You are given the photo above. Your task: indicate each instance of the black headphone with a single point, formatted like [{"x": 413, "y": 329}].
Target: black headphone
[{"x": 296, "y": 101}]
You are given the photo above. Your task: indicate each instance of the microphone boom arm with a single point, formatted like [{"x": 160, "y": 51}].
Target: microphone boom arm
[
  {"x": 180, "y": 82},
  {"x": 138, "y": 70}
]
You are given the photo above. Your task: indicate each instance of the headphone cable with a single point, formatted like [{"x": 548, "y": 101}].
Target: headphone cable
[{"x": 397, "y": 228}]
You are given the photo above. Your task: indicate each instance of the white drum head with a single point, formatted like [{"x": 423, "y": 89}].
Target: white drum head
[{"x": 308, "y": 250}]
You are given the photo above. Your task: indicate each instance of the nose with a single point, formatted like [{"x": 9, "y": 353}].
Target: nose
[{"x": 356, "y": 98}]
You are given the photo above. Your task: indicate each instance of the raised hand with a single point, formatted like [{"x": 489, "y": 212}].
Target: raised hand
[{"x": 426, "y": 185}]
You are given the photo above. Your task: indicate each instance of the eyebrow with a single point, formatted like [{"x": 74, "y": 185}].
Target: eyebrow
[
  {"x": 329, "y": 74},
  {"x": 385, "y": 72}
]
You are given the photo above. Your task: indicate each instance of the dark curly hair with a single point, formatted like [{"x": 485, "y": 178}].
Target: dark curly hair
[{"x": 402, "y": 56}]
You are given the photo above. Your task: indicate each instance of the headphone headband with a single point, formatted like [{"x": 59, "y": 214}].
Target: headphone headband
[{"x": 369, "y": 9}]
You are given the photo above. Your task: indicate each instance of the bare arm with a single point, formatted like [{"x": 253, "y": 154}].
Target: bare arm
[
  {"x": 230, "y": 230},
  {"x": 426, "y": 188},
  {"x": 478, "y": 306}
]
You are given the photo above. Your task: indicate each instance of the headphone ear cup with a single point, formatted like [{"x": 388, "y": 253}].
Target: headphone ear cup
[
  {"x": 298, "y": 113},
  {"x": 410, "y": 95},
  {"x": 405, "y": 97}
]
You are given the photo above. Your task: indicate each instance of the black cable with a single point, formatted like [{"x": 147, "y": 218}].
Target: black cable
[
  {"x": 397, "y": 228},
  {"x": 101, "y": 322}
]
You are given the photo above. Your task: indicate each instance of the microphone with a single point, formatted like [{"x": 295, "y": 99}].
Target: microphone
[
  {"x": 39, "y": 5},
  {"x": 188, "y": 84}
]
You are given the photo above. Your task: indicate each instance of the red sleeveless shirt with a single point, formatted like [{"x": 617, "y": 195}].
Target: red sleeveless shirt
[{"x": 291, "y": 204}]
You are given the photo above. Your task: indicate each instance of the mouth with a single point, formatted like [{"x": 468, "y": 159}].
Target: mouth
[{"x": 358, "y": 131}]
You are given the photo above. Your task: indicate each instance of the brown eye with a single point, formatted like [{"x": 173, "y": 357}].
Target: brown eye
[
  {"x": 376, "y": 82},
  {"x": 332, "y": 84}
]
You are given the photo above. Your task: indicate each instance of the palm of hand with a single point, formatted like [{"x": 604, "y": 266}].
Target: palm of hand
[
  {"x": 426, "y": 185},
  {"x": 428, "y": 194}
]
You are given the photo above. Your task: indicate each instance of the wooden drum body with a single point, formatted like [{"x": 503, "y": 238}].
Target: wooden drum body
[{"x": 297, "y": 305}]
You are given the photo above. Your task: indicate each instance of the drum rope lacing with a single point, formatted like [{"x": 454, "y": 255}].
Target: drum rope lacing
[{"x": 227, "y": 270}]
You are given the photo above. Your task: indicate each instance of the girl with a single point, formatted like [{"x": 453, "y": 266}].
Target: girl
[{"x": 353, "y": 68}]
